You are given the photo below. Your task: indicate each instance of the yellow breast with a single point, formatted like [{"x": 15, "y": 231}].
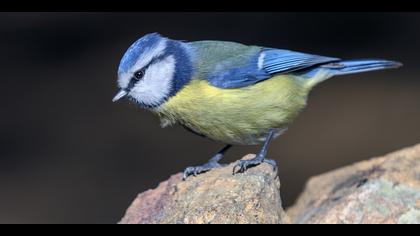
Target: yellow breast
[{"x": 236, "y": 116}]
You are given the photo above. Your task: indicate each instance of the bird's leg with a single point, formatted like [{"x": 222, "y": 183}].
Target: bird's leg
[
  {"x": 211, "y": 164},
  {"x": 243, "y": 165}
]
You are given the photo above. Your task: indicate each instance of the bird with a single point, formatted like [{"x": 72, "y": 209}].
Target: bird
[{"x": 225, "y": 91}]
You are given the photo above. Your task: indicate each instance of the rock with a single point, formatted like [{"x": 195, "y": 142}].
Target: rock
[
  {"x": 213, "y": 197},
  {"x": 381, "y": 190}
]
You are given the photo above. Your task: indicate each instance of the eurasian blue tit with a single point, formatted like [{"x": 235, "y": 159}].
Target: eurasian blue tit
[{"x": 227, "y": 91}]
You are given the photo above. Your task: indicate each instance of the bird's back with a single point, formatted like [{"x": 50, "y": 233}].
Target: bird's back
[{"x": 213, "y": 57}]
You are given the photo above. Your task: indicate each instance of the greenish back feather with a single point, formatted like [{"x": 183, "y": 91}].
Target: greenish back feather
[{"x": 212, "y": 57}]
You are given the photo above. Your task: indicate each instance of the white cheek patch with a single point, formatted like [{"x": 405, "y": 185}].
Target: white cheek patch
[{"x": 156, "y": 84}]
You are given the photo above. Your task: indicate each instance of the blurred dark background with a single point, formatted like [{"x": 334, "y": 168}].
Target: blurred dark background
[{"x": 69, "y": 155}]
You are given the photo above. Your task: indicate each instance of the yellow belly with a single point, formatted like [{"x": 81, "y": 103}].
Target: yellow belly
[{"x": 236, "y": 116}]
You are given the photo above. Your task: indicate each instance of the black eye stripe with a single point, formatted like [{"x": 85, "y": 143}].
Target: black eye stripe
[
  {"x": 153, "y": 61},
  {"x": 131, "y": 84},
  {"x": 142, "y": 72}
]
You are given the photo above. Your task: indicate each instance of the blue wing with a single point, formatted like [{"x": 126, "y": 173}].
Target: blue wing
[
  {"x": 277, "y": 61},
  {"x": 263, "y": 65}
]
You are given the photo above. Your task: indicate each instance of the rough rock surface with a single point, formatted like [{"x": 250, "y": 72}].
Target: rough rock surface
[
  {"x": 381, "y": 190},
  {"x": 213, "y": 197}
]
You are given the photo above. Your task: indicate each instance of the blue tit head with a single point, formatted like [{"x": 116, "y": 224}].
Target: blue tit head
[{"x": 153, "y": 69}]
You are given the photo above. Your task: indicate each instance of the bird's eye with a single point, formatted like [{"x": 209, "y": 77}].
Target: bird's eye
[{"x": 138, "y": 75}]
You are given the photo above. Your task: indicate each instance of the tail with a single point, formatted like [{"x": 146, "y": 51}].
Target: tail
[
  {"x": 358, "y": 66},
  {"x": 346, "y": 67}
]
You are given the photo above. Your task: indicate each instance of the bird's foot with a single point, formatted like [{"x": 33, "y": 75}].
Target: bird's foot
[
  {"x": 244, "y": 165},
  {"x": 196, "y": 170}
]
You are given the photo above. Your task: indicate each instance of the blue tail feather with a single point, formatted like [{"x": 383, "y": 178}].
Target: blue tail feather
[
  {"x": 358, "y": 66},
  {"x": 326, "y": 71}
]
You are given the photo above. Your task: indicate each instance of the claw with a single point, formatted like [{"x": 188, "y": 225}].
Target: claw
[
  {"x": 244, "y": 165},
  {"x": 187, "y": 172},
  {"x": 211, "y": 164},
  {"x": 234, "y": 168},
  {"x": 198, "y": 170}
]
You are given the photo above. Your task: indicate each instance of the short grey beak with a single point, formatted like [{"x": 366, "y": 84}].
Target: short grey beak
[{"x": 120, "y": 94}]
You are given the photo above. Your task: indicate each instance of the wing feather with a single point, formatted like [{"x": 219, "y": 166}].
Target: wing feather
[
  {"x": 260, "y": 65},
  {"x": 278, "y": 61}
]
